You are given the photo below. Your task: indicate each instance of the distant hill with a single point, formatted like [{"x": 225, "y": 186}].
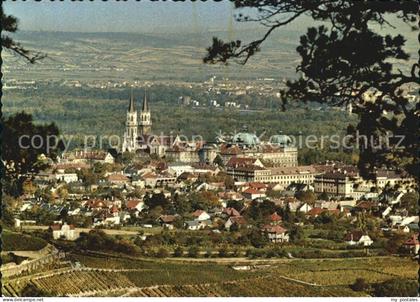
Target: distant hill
[
  {"x": 128, "y": 56},
  {"x": 164, "y": 56}
]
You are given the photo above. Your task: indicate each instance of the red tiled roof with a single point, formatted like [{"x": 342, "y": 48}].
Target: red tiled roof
[
  {"x": 365, "y": 204},
  {"x": 315, "y": 211},
  {"x": 167, "y": 218},
  {"x": 354, "y": 235},
  {"x": 230, "y": 150},
  {"x": 197, "y": 213},
  {"x": 252, "y": 191},
  {"x": 238, "y": 220},
  {"x": 274, "y": 229},
  {"x": 231, "y": 212},
  {"x": 117, "y": 177},
  {"x": 131, "y": 204},
  {"x": 96, "y": 203},
  {"x": 274, "y": 217},
  {"x": 240, "y": 161},
  {"x": 55, "y": 227},
  {"x": 414, "y": 240}
]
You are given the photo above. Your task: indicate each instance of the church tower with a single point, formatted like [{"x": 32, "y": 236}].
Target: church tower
[
  {"x": 130, "y": 135},
  {"x": 145, "y": 122}
]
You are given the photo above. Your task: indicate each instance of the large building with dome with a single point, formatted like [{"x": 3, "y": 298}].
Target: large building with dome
[{"x": 277, "y": 152}]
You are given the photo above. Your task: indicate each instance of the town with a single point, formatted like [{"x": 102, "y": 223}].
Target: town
[
  {"x": 234, "y": 185},
  {"x": 210, "y": 149}
]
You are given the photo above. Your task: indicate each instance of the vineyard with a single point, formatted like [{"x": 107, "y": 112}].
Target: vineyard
[
  {"x": 12, "y": 241},
  {"x": 112, "y": 276}
]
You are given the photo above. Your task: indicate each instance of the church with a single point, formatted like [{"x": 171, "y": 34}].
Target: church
[
  {"x": 136, "y": 125},
  {"x": 138, "y": 136}
]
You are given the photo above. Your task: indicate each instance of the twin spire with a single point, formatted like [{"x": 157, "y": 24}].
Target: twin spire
[{"x": 131, "y": 107}]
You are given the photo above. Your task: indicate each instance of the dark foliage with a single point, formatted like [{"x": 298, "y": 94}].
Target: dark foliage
[
  {"x": 341, "y": 63},
  {"x": 396, "y": 288},
  {"x": 20, "y": 163}
]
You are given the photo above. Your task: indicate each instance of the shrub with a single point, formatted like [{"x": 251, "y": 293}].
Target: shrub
[
  {"x": 223, "y": 252},
  {"x": 236, "y": 253},
  {"x": 162, "y": 253},
  {"x": 208, "y": 254},
  {"x": 178, "y": 252},
  {"x": 193, "y": 252},
  {"x": 360, "y": 285}
]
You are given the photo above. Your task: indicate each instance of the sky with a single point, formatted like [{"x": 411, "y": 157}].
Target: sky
[{"x": 130, "y": 16}]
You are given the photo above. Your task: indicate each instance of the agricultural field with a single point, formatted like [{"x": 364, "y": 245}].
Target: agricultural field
[{"x": 108, "y": 275}]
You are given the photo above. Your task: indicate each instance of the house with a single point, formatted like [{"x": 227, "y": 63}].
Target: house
[
  {"x": 112, "y": 219},
  {"x": 365, "y": 206},
  {"x": 305, "y": 208},
  {"x": 410, "y": 228},
  {"x": 358, "y": 238},
  {"x": 64, "y": 231},
  {"x": 177, "y": 169},
  {"x": 413, "y": 244},
  {"x": 118, "y": 179},
  {"x": 167, "y": 221},
  {"x": 66, "y": 177},
  {"x": 201, "y": 215},
  {"x": 230, "y": 195},
  {"x": 135, "y": 205},
  {"x": 315, "y": 212},
  {"x": 252, "y": 194},
  {"x": 258, "y": 186},
  {"x": 237, "y": 221},
  {"x": 275, "y": 233},
  {"x": 94, "y": 156},
  {"x": 335, "y": 183},
  {"x": 194, "y": 225},
  {"x": 188, "y": 177}
]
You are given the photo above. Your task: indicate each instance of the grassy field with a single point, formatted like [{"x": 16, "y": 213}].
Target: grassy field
[{"x": 282, "y": 277}]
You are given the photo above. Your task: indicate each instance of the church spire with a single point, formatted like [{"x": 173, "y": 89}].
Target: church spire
[
  {"x": 145, "y": 104},
  {"x": 131, "y": 104}
]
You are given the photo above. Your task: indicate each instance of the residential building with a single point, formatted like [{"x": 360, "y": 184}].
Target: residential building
[
  {"x": 64, "y": 231},
  {"x": 358, "y": 238}
]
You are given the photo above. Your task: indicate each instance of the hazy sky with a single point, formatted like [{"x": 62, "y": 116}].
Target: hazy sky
[{"x": 143, "y": 16}]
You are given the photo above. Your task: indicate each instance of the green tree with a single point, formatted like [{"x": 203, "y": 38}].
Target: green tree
[
  {"x": 306, "y": 196},
  {"x": 236, "y": 204},
  {"x": 348, "y": 56},
  {"x": 182, "y": 204},
  {"x": 410, "y": 201},
  {"x": 296, "y": 234},
  {"x": 157, "y": 200}
]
